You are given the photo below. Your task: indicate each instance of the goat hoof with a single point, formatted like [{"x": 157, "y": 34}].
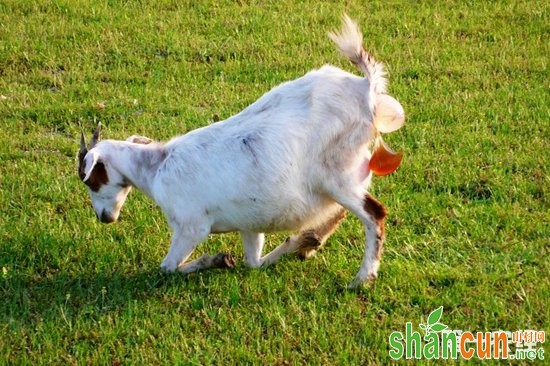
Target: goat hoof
[
  {"x": 168, "y": 267},
  {"x": 371, "y": 277},
  {"x": 359, "y": 282},
  {"x": 224, "y": 260}
]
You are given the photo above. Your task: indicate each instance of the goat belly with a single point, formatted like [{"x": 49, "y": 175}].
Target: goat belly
[{"x": 286, "y": 213}]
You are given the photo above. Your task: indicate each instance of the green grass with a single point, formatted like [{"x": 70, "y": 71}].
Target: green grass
[{"x": 468, "y": 226}]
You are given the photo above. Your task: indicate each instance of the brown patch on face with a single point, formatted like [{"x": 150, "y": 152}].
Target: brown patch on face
[
  {"x": 98, "y": 177},
  {"x": 374, "y": 208}
]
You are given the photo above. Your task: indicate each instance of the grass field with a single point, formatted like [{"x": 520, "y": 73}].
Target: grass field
[{"x": 468, "y": 226}]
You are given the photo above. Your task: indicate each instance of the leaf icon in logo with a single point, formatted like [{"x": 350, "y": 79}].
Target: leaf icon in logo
[
  {"x": 434, "y": 316},
  {"x": 438, "y": 327}
]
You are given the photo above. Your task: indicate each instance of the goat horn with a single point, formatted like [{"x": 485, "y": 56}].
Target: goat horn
[
  {"x": 95, "y": 137},
  {"x": 83, "y": 149}
]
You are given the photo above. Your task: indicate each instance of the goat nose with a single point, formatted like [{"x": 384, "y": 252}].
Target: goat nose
[{"x": 106, "y": 218}]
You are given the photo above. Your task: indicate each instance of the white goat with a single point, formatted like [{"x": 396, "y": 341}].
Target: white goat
[{"x": 295, "y": 159}]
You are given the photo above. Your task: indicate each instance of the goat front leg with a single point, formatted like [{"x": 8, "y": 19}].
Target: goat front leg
[
  {"x": 184, "y": 241},
  {"x": 253, "y": 246}
]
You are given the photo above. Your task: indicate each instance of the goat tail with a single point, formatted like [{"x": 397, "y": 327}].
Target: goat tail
[{"x": 350, "y": 42}]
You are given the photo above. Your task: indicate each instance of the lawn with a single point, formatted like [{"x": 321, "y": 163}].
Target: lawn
[{"x": 468, "y": 226}]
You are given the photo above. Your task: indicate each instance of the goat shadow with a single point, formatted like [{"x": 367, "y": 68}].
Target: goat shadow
[
  {"x": 35, "y": 288},
  {"x": 49, "y": 293}
]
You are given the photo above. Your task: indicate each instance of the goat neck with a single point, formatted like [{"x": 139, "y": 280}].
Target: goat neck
[{"x": 138, "y": 163}]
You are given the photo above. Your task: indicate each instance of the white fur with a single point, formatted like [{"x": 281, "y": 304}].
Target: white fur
[{"x": 287, "y": 162}]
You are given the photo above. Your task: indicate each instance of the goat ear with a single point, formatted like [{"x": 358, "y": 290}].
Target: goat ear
[
  {"x": 90, "y": 162},
  {"x": 389, "y": 115},
  {"x": 139, "y": 139}
]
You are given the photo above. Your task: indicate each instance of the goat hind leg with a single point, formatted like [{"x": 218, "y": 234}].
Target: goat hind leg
[
  {"x": 374, "y": 237},
  {"x": 305, "y": 244},
  {"x": 372, "y": 214}
]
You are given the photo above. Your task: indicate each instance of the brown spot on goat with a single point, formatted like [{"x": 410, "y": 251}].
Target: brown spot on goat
[{"x": 374, "y": 208}]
